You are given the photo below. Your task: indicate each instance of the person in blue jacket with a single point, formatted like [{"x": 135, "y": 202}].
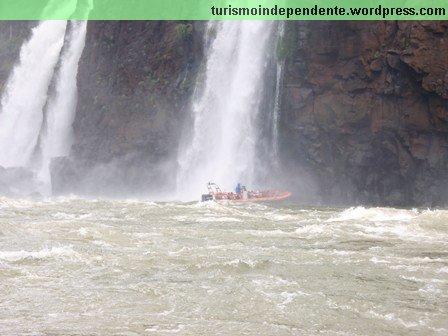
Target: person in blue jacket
[{"x": 238, "y": 188}]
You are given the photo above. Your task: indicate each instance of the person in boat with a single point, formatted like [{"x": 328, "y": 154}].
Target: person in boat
[
  {"x": 238, "y": 188},
  {"x": 244, "y": 193}
]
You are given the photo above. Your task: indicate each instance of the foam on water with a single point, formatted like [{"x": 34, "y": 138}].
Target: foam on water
[
  {"x": 443, "y": 270},
  {"x": 58, "y": 252},
  {"x": 392, "y": 318},
  {"x": 375, "y": 214},
  {"x": 123, "y": 267},
  {"x": 217, "y": 219}
]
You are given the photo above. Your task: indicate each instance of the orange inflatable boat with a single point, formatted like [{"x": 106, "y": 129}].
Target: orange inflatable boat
[{"x": 244, "y": 196}]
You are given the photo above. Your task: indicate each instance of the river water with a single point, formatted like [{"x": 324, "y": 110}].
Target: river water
[{"x": 80, "y": 267}]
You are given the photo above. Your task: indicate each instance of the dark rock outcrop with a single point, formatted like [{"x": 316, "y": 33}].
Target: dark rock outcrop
[
  {"x": 12, "y": 35},
  {"x": 134, "y": 81},
  {"x": 365, "y": 110},
  {"x": 364, "y": 115}
]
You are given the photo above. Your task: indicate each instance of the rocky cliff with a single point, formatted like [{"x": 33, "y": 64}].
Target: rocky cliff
[
  {"x": 12, "y": 35},
  {"x": 134, "y": 82},
  {"x": 365, "y": 110}
]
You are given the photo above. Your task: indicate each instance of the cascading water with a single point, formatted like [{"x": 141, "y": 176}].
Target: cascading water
[
  {"x": 277, "y": 102},
  {"x": 222, "y": 146},
  {"x": 21, "y": 113},
  {"x": 57, "y": 138},
  {"x": 37, "y": 106}
]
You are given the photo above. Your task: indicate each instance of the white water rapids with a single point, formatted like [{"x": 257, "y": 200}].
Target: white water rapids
[
  {"x": 91, "y": 267},
  {"x": 224, "y": 135},
  {"x": 78, "y": 267}
]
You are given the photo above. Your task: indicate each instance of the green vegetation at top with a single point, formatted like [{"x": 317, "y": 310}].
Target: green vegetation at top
[
  {"x": 183, "y": 30},
  {"x": 288, "y": 42},
  {"x": 237, "y": 10}
]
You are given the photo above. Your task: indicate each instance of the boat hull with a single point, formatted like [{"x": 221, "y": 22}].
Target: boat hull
[{"x": 277, "y": 196}]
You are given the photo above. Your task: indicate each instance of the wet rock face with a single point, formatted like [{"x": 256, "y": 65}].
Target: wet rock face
[
  {"x": 134, "y": 83},
  {"x": 364, "y": 115},
  {"x": 365, "y": 110},
  {"x": 12, "y": 35}
]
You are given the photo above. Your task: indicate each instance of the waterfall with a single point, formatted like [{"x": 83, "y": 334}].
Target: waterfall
[
  {"x": 21, "y": 111},
  {"x": 57, "y": 138},
  {"x": 222, "y": 142},
  {"x": 277, "y": 102},
  {"x": 38, "y": 105}
]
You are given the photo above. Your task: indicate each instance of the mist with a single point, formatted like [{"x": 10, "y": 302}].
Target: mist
[{"x": 158, "y": 109}]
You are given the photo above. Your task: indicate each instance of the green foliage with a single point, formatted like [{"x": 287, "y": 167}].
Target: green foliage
[
  {"x": 281, "y": 49},
  {"x": 405, "y": 42},
  {"x": 183, "y": 31},
  {"x": 213, "y": 32},
  {"x": 377, "y": 54},
  {"x": 288, "y": 42},
  {"x": 306, "y": 30},
  {"x": 154, "y": 81}
]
